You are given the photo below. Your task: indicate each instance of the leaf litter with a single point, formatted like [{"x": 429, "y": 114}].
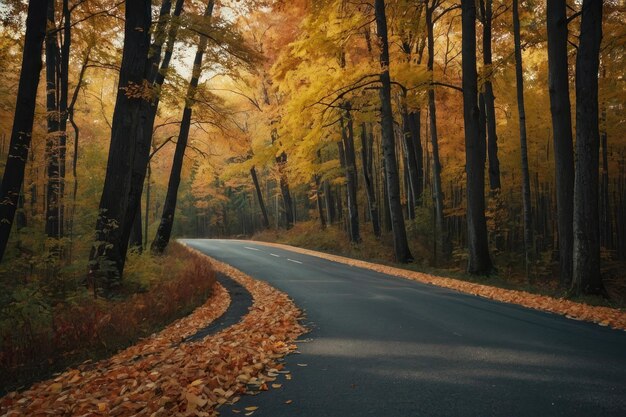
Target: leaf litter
[
  {"x": 604, "y": 316},
  {"x": 161, "y": 376}
]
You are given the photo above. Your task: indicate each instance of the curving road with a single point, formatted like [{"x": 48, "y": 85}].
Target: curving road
[{"x": 386, "y": 346}]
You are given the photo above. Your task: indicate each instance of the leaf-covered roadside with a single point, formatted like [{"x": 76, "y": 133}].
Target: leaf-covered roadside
[
  {"x": 160, "y": 378},
  {"x": 54, "y": 322},
  {"x": 603, "y": 316}
]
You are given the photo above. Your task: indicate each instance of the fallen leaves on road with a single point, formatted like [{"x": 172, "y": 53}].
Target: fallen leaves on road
[
  {"x": 604, "y": 316},
  {"x": 160, "y": 377}
]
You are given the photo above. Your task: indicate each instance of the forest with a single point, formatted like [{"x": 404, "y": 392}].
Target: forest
[{"x": 478, "y": 139}]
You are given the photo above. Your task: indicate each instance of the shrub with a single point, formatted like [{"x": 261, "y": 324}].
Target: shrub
[{"x": 39, "y": 334}]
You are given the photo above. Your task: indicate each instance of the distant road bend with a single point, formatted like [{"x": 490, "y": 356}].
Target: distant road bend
[{"x": 387, "y": 346}]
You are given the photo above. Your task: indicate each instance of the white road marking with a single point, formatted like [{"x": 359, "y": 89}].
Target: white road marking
[
  {"x": 248, "y": 247},
  {"x": 273, "y": 254},
  {"x": 291, "y": 260}
]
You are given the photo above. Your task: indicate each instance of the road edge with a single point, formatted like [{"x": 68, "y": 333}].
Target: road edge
[{"x": 603, "y": 316}]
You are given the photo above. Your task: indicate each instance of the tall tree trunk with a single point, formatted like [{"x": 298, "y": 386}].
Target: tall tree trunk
[
  {"x": 606, "y": 232},
  {"x": 53, "y": 171},
  {"x": 70, "y": 116},
  {"x": 259, "y": 194},
  {"x": 349, "y": 163},
  {"x": 164, "y": 231},
  {"x": 329, "y": 203},
  {"x": 385, "y": 198},
  {"x": 400, "y": 243},
  {"x": 490, "y": 107},
  {"x": 281, "y": 161},
  {"x": 479, "y": 260},
  {"x": 441, "y": 232},
  {"x": 586, "y": 277},
  {"x": 366, "y": 157},
  {"x": 519, "y": 76},
  {"x": 119, "y": 196},
  {"x": 558, "y": 85},
  {"x": 320, "y": 203},
  {"x": 412, "y": 165},
  {"x": 415, "y": 129},
  {"x": 13, "y": 177},
  {"x": 155, "y": 78},
  {"x": 63, "y": 108}
]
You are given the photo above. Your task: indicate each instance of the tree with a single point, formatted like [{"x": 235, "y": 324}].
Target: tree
[
  {"x": 489, "y": 108},
  {"x": 164, "y": 231},
  {"x": 586, "y": 273},
  {"x": 119, "y": 196},
  {"x": 13, "y": 176},
  {"x": 281, "y": 163},
  {"x": 400, "y": 243},
  {"x": 479, "y": 261},
  {"x": 54, "y": 218},
  {"x": 367, "y": 143},
  {"x": 558, "y": 85},
  {"x": 440, "y": 232},
  {"x": 519, "y": 76},
  {"x": 259, "y": 194},
  {"x": 348, "y": 161}
]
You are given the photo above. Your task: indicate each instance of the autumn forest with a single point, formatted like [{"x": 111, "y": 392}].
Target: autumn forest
[{"x": 482, "y": 140}]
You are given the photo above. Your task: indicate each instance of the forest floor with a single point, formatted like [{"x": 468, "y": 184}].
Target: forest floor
[
  {"x": 50, "y": 320},
  {"x": 509, "y": 274},
  {"x": 168, "y": 373}
]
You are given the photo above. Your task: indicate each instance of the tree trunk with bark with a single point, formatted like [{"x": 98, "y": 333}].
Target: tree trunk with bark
[
  {"x": 490, "y": 107},
  {"x": 606, "y": 231},
  {"x": 349, "y": 164},
  {"x": 410, "y": 139},
  {"x": 586, "y": 274},
  {"x": 400, "y": 243},
  {"x": 526, "y": 202},
  {"x": 13, "y": 177},
  {"x": 164, "y": 232},
  {"x": 156, "y": 73},
  {"x": 53, "y": 196},
  {"x": 479, "y": 261},
  {"x": 366, "y": 157},
  {"x": 441, "y": 232},
  {"x": 119, "y": 194},
  {"x": 259, "y": 195},
  {"x": 281, "y": 160},
  {"x": 320, "y": 203},
  {"x": 415, "y": 129},
  {"x": 560, "y": 109},
  {"x": 329, "y": 203}
]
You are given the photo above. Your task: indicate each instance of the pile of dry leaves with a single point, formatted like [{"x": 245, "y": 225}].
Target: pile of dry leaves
[
  {"x": 604, "y": 316},
  {"x": 161, "y": 376}
]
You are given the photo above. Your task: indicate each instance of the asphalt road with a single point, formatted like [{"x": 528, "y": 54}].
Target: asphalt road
[{"x": 386, "y": 346}]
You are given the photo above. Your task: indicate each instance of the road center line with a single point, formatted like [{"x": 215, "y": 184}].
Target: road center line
[
  {"x": 273, "y": 254},
  {"x": 248, "y": 247},
  {"x": 292, "y": 260}
]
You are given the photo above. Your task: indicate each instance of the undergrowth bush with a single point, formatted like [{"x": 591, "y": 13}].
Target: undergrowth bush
[{"x": 42, "y": 330}]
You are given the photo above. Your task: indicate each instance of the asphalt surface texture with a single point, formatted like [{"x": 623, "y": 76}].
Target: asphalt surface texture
[{"x": 386, "y": 346}]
